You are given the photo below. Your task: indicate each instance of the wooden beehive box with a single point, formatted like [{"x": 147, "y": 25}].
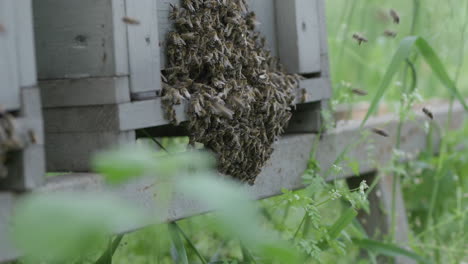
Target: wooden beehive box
[
  {"x": 100, "y": 77},
  {"x": 19, "y": 95}
]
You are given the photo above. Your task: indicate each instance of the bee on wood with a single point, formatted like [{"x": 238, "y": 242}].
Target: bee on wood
[
  {"x": 395, "y": 16},
  {"x": 380, "y": 132},
  {"x": 304, "y": 95},
  {"x": 428, "y": 113},
  {"x": 359, "y": 92},
  {"x": 359, "y": 38},
  {"x": 390, "y": 33},
  {"x": 32, "y": 136},
  {"x": 130, "y": 21}
]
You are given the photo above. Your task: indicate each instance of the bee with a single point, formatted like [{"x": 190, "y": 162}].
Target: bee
[
  {"x": 304, "y": 95},
  {"x": 32, "y": 136},
  {"x": 359, "y": 92},
  {"x": 130, "y": 21},
  {"x": 395, "y": 16},
  {"x": 380, "y": 132},
  {"x": 359, "y": 38},
  {"x": 390, "y": 33},
  {"x": 428, "y": 113},
  {"x": 2, "y": 28}
]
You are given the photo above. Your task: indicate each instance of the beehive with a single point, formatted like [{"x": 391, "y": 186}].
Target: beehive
[
  {"x": 99, "y": 65},
  {"x": 19, "y": 98}
]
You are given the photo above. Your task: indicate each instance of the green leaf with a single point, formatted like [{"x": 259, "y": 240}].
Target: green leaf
[
  {"x": 237, "y": 215},
  {"x": 131, "y": 161},
  {"x": 345, "y": 219},
  {"x": 60, "y": 226},
  {"x": 387, "y": 249},
  {"x": 125, "y": 163},
  {"x": 403, "y": 52}
]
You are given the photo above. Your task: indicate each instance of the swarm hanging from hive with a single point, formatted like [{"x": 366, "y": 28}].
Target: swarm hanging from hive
[{"x": 239, "y": 96}]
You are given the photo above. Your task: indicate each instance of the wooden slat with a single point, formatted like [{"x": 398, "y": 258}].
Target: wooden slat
[
  {"x": 25, "y": 43},
  {"x": 76, "y": 39},
  {"x": 74, "y": 151},
  {"x": 85, "y": 91},
  {"x": 9, "y": 76},
  {"x": 299, "y": 35},
  {"x": 136, "y": 115},
  {"x": 143, "y": 46}
]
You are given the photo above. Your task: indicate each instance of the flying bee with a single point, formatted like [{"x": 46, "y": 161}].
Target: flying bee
[
  {"x": 359, "y": 92},
  {"x": 428, "y": 113},
  {"x": 390, "y": 33},
  {"x": 380, "y": 132},
  {"x": 130, "y": 21},
  {"x": 395, "y": 16},
  {"x": 359, "y": 38}
]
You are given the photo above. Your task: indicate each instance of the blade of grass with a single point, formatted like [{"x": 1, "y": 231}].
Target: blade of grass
[
  {"x": 106, "y": 257},
  {"x": 387, "y": 249},
  {"x": 179, "y": 247},
  {"x": 403, "y": 52},
  {"x": 191, "y": 245},
  {"x": 345, "y": 219},
  {"x": 246, "y": 255}
]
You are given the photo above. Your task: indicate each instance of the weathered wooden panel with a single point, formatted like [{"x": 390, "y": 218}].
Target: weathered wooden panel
[
  {"x": 143, "y": 45},
  {"x": 299, "y": 35},
  {"x": 74, "y": 151},
  {"x": 25, "y": 43},
  {"x": 9, "y": 85},
  {"x": 77, "y": 39},
  {"x": 88, "y": 91}
]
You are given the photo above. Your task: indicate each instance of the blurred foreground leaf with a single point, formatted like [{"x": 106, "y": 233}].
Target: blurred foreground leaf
[
  {"x": 131, "y": 161},
  {"x": 238, "y": 216},
  {"x": 63, "y": 226}
]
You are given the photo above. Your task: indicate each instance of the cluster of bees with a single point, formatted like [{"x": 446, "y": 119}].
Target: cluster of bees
[
  {"x": 10, "y": 140},
  {"x": 239, "y": 96}
]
